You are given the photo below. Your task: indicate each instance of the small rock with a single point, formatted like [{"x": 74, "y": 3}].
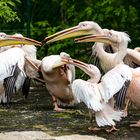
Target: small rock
[
  {"x": 78, "y": 137},
  {"x": 39, "y": 135}
]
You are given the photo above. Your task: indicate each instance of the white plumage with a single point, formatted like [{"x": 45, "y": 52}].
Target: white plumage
[
  {"x": 88, "y": 93},
  {"x": 96, "y": 96},
  {"x": 114, "y": 80},
  {"x": 14, "y": 56},
  {"x": 58, "y": 77},
  {"x": 10, "y": 58},
  {"x": 49, "y": 62}
]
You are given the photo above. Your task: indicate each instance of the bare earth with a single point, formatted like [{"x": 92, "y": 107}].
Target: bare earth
[{"x": 34, "y": 119}]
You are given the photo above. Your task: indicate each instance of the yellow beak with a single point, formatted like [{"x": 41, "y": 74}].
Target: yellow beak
[
  {"x": 67, "y": 33},
  {"x": 74, "y": 62},
  {"x": 58, "y": 64},
  {"x": 95, "y": 38},
  {"x": 12, "y": 40}
]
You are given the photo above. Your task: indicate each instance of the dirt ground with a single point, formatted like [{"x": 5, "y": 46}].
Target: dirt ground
[{"x": 36, "y": 113}]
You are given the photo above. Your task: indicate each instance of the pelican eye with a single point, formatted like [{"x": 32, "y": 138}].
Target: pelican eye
[{"x": 83, "y": 25}]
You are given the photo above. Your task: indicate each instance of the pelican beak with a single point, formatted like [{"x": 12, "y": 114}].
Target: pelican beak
[
  {"x": 58, "y": 64},
  {"x": 13, "y": 40},
  {"x": 74, "y": 62},
  {"x": 95, "y": 38},
  {"x": 67, "y": 33}
]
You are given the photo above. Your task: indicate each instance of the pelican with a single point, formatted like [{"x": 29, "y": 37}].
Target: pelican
[
  {"x": 86, "y": 28},
  {"x": 58, "y": 77},
  {"x": 96, "y": 96},
  {"x": 65, "y": 74},
  {"x": 12, "y": 62},
  {"x": 116, "y": 40},
  {"x": 106, "y": 60},
  {"x": 83, "y": 28},
  {"x": 30, "y": 51}
]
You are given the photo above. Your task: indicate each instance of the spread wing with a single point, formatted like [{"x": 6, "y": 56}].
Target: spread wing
[
  {"x": 88, "y": 93},
  {"x": 114, "y": 80}
]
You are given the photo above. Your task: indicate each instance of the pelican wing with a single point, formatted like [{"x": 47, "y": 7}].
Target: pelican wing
[
  {"x": 9, "y": 82},
  {"x": 121, "y": 94},
  {"x": 114, "y": 80},
  {"x": 132, "y": 58},
  {"x": 8, "y": 59},
  {"x": 88, "y": 93},
  {"x": 107, "y": 115}
]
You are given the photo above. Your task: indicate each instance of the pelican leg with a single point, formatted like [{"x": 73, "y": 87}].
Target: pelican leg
[
  {"x": 91, "y": 128},
  {"x": 56, "y": 108},
  {"x": 126, "y": 108},
  {"x": 112, "y": 129},
  {"x": 136, "y": 124}
]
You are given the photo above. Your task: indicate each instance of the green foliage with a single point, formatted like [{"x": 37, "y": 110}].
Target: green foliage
[
  {"x": 48, "y": 17},
  {"x": 51, "y": 16},
  {"x": 6, "y": 12}
]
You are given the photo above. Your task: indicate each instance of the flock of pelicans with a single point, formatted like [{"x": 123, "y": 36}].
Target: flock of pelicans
[{"x": 103, "y": 95}]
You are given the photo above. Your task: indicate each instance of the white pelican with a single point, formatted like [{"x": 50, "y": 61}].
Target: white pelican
[
  {"x": 106, "y": 60},
  {"x": 85, "y": 28},
  {"x": 58, "y": 77},
  {"x": 96, "y": 96},
  {"x": 117, "y": 40},
  {"x": 12, "y": 65}
]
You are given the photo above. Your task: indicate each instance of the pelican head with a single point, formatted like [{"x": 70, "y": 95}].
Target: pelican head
[
  {"x": 6, "y": 40},
  {"x": 76, "y": 63},
  {"x": 110, "y": 37},
  {"x": 90, "y": 69},
  {"x": 51, "y": 62},
  {"x": 83, "y": 28},
  {"x": 73, "y": 62}
]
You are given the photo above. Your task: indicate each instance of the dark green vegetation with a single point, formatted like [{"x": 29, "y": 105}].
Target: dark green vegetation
[
  {"x": 49, "y": 16},
  {"x": 36, "y": 113}
]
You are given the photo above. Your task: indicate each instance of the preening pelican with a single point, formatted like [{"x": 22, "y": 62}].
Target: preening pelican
[
  {"x": 12, "y": 62},
  {"x": 117, "y": 40},
  {"x": 96, "y": 96},
  {"x": 58, "y": 77}
]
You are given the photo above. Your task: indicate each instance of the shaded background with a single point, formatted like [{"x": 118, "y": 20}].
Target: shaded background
[{"x": 40, "y": 18}]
